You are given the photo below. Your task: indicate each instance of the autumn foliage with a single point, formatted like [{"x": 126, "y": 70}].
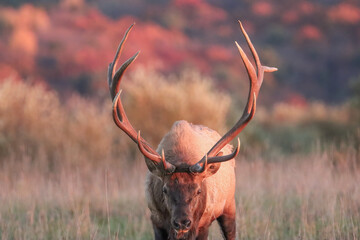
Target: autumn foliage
[{"x": 68, "y": 45}]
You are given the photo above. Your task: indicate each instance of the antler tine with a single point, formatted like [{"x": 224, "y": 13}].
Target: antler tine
[
  {"x": 260, "y": 68},
  {"x": 226, "y": 139},
  {"x": 154, "y": 157},
  {"x": 119, "y": 114},
  {"x": 256, "y": 79},
  {"x": 204, "y": 166},
  {"x": 168, "y": 167},
  {"x": 252, "y": 77},
  {"x": 251, "y": 46},
  {"x": 120, "y": 47},
  {"x": 225, "y": 158},
  {"x": 114, "y": 80},
  {"x": 115, "y": 86},
  {"x": 235, "y": 130},
  {"x": 121, "y": 119}
]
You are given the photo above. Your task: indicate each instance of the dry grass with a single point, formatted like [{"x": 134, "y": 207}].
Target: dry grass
[
  {"x": 62, "y": 165},
  {"x": 297, "y": 199}
]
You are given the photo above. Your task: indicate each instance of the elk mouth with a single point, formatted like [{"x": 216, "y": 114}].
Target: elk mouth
[{"x": 181, "y": 234}]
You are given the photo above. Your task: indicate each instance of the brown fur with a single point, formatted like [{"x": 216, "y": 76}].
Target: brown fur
[{"x": 184, "y": 145}]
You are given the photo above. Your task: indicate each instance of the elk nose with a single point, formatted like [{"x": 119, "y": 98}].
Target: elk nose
[
  {"x": 186, "y": 223},
  {"x": 181, "y": 223}
]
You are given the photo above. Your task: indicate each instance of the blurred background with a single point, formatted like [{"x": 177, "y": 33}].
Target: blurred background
[{"x": 63, "y": 162}]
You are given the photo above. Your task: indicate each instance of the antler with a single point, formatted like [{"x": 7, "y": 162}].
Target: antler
[
  {"x": 119, "y": 114},
  {"x": 256, "y": 79}
]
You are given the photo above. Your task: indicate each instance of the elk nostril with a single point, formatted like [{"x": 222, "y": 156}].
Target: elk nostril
[
  {"x": 176, "y": 225},
  {"x": 186, "y": 223}
]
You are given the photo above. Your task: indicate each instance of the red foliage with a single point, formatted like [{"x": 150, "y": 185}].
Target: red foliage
[
  {"x": 290, "y": 17},
  {"x": 309, "y": 32},
  {"x": 297, "y": 100},
  {"x": 345, "y": 13},
  {"x": 262, "y": 8},
  {"x": 83, "y": 41},
  {"x": 8, "y": 72},
  {"x": 73, "y": 39},
  {"x": 306, "y": 8},
  {"x": 199, "y": 13},
  {"x": 218, "y": 53}
]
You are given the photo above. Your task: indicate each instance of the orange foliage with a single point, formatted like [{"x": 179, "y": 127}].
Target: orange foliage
[
  {"x": 345, "y": 13},
  {"x": 27, "y": 16},
  {"x": 20, "y": 45},
  {"x": 25, "y": 22},
  {"x": 24, "y": 40}
]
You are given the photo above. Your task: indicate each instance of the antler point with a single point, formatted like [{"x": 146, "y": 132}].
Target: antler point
[
  {"x": 270, "y": 69},
  {"x": 238, "y": 146},
  {"x": 138, "y": 136}
]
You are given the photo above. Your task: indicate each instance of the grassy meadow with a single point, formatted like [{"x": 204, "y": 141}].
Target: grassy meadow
[{"x": 67, "y": 172}]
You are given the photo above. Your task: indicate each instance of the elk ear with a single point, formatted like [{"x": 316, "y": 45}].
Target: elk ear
[
  {"x": 160, "y": 169},
  {"x": 213, "y": 167},
  {"x": 153, "y": 168}
]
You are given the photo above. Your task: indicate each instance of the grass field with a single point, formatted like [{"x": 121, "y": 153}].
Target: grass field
[{"x": 295, "y": 198}]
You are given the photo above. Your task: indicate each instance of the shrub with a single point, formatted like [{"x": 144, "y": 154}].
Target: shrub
[
  {"x": 34, "y": 122},
  {"x": 154, "y": 103}
]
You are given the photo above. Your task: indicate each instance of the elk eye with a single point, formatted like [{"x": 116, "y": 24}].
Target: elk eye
[
  {"x": 165, "y": 190},
  {"x": 199, "y": 191}
]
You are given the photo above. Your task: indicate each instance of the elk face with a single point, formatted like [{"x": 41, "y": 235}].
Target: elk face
[{"x": 185, "y": 197}]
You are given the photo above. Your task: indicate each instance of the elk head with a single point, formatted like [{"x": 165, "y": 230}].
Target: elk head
[{"x": 183, "y": 188}]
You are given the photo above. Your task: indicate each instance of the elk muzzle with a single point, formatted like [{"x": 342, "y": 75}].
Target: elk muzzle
[{"x": 181, "y": 224}]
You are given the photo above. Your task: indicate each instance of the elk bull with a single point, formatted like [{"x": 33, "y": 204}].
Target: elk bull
[{"x": 191, "y": 179}]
